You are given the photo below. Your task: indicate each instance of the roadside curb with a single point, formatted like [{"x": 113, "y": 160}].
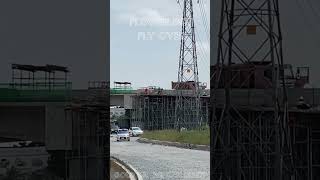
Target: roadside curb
[
  {"x": 175, "y": 144},
  {"x": 137, "y": 175}
]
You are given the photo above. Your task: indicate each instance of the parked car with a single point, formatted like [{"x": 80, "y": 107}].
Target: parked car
[
  {"x": 113, "y": 133},
  {"x": 123, "y": 134},
  {"x": 135, "y": 131}
]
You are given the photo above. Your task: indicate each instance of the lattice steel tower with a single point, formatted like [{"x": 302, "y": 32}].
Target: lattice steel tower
[
  {"x": 250, "y": 137},
  {"x": 187, "y": 108}
]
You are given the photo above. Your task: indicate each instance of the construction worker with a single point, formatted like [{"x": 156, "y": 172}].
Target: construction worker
[{"x": 302, "y": 104}]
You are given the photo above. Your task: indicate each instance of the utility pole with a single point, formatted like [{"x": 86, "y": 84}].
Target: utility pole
[{"x": 188, "y": 106}]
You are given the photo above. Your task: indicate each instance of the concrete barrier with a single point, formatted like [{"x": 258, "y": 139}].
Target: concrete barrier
[
  {"x": 175, "y": 144},
  {"x": 123, "y": 171}
]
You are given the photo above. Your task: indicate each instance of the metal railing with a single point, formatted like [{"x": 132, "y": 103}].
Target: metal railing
[
  {"x": 35, "y": 92},
  {"x": 122, "y": 91},
  {"x": 37, "y": 86}
]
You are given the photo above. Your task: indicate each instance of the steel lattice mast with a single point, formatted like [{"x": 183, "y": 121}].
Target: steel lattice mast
[
  {"x": 187, "y": 110},
  {"x": 249, "y": 141}
]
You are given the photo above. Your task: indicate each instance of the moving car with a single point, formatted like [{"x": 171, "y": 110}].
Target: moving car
[
  {"x": 135, "y": 131},
  {"x": 123, "y": 134}
]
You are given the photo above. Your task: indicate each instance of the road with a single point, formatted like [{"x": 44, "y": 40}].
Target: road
[{"x": 162, "y": 162}]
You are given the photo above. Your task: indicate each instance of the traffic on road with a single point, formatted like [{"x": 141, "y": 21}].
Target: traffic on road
[{"x": 157, "y": 162}]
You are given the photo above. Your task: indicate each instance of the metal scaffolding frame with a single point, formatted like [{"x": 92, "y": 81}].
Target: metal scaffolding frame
[
  {"x": 88, "y": 158},
  {"x": 249, "y": 144},
  {"x": 33, "y": 77},
  {"x": 157, "y": 112},
  {"x": 306, "y": 142}
]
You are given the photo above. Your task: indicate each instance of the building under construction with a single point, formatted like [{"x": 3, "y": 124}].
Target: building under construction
[
  {"x": 264, "y": 117},
  {"x": 186, "y": 105},
  {"x": 253, "y": 106},
  {"x": 87, "y": 117},
  {"x": 87, "y": 158},
  {"x": 39, "y": 105},
  {"x": 154, "y": 109}
]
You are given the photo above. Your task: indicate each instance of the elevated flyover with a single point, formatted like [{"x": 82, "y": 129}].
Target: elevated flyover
[
  {"x": 40, "y": 115},
  {"x": 32, "y": 114},
  {"x": 122, "y": 97}
]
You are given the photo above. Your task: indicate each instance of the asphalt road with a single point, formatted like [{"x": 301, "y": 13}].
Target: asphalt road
[{"x": 162, "y": 162}]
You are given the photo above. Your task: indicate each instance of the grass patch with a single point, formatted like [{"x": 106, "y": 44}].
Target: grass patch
[{"x": 200, "y": 137}]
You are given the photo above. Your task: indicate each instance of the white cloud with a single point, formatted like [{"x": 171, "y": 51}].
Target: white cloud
[{"x": 154, "y": 13}]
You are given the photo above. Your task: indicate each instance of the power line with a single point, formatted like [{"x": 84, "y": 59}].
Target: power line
[
  {"x": 204, "y": 17},
  {"x": 205, "y": 56}
]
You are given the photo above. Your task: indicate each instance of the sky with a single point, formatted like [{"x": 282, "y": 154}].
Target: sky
[
  {"x": 145, "y": 41},
  {"x": 67, "y": 33}
]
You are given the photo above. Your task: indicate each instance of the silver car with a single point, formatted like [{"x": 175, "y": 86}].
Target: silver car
[
  {"x": 135, "y": 131},
  {"x": 123, "y": 134}
]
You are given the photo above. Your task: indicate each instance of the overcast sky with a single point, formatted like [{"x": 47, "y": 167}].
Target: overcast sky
[
  {"x": 153, "y": 60},
  {"x": 69, "y": 33},
  {"x": 60, "y": 32}
]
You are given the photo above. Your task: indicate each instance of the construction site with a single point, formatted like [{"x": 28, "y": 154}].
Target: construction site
[
  {"x": 186, "y": 104},
  {"x": 264, "y": 115},
  {"x": 155, "y": 110},
  {"x": 262, "y": 111},
  {"x": 40, "y": 106}
]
